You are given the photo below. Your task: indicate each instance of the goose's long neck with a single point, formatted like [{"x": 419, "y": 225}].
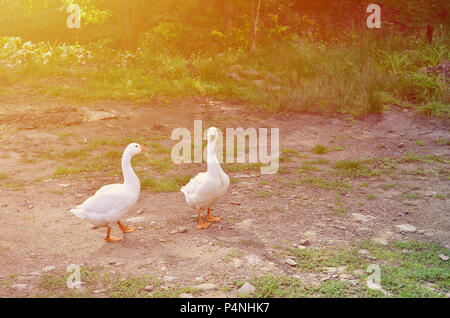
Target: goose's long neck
[
  {"x": 213, "y": 163},
  {"x": 131, "y": 180}
]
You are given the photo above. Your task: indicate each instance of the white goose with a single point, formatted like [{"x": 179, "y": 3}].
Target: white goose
[
  {"x": 206, "y": 188},
  {"x": 111, "y": 202}
]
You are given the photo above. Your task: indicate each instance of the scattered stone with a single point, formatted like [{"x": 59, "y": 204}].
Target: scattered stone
[
  {"x": 186, "y": 295},
  {"x": 250, "y": 73},
  {"x": 363, "y": 229},
  {"x": 149, "y": 288},
  {"x": 401, "y": 145},
  {"x": 272, "y": 77},
  {"x": 304, "y": 242},
  {"x": 310, "y": 234},
  {"x": 246, "y": 289},
  {"x": 173, "y": 232},
  {"x": 93, "y": 115},
  {"x": 36, "y": 273},
  {"x": 253, "y": 259},
  {"x": 363, "y": 252},
  {"x": 408, "y": 228},
  {"x": 170, "y": 279},
  {"x": 290, "y": 262},
  {"x": 48, "y": 269},
  {"x": 140, "y": 212},
  {"x": 236, "y": 68},
  {"x": 331, "y": 270},
  {"x": 362, "y": 218},
  {"x": 234, "y": 76},
  {"x": 163, "y": 268},
  {"x": 199, "y": 279},
  {"x": 64, "y": 185},
  {"x": 421, "y": 231},
  {"x": 182, "y": 229},
  {"x": 206, "y": 286},
  {"x": 430, "y": 193},
  {"x": 20, "y": 286},
  {"x": 30, "y": 206},
  {"x": 443, "y": 257},
  {"x": 234, "y": 202},
  {"x": 259, "y": 82}
]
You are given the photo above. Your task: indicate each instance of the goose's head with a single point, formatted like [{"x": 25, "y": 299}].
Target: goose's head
[
  {"x": 134, "y": 149},
  {"x": 212, "y": 134}
]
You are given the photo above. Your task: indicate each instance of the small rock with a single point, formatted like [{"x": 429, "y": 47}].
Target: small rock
[
  {"x": 304, "y": 242},
  {"x": 199, "y": 279},
  {"x": 250, "y": 73},
  {"x": 421, "y": 231},
  {"x": 30, "y": 206},
  {"x": 36, "y": 273},
  {"x": 443, "y": 257},
  {"x": 140, "y": 211},
  {"x": 163, "y": 268},
  {"x": 234, "y": 202},
  {"x": 182, "y": 229},
  {"x": 206, "y": 286},
  {"x": 173, "y": 232},
  {"x": 362, "y": 218},
  {"x": 169, "y": 279},
  {"x": 48, "y": 269},
  {"x": 236, "y": 68},
  {"x": 20, "y": 286},
  {"x": 290, "y": 262},
  {"x": 149, "y": 288},
  {"x": 246, "y": 289},
  {"x": 408, "y": 228},
  {"x": 363, "y": 252},
  {"x": 186, "y": 295},
  {"x": 401, "y": 145}
]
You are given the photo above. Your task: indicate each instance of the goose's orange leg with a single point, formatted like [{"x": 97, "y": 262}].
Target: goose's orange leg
[
  {"x": 126, "y": 229},
  {"x": 211, "y": 218},
  {"x": 111, "y": 239},
  {"x": 201, "y": 224}
]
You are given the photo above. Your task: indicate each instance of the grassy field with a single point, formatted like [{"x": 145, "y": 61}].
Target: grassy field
[{"x": 293, "y": 74}]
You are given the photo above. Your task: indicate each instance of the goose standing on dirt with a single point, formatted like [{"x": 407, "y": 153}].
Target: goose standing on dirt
[
  {"x": 111, "y": 202},
  {"x": 206, "y": 188}
]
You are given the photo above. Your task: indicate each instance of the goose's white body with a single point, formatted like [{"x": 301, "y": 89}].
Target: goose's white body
[
  {"x": 112, "y": 202},
  {"x": 206, "y": 188}
]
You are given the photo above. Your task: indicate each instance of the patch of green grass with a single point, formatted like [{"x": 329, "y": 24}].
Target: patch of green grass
[
  {"x": 328, "y": 184},
  {"x": 443, "y": 142},
  {"x": 319, "y": 149},
  {"x": 130, "y": 287},
  {"x": 270, "y": 286},
  {"x": 3, "y": 176},
  {"x": 370, "y": 196},
  {"x": 412, "y": 195},
  {"x": 419, "y": 142},
  {"x": 354, "y": 168},
  {"x": 318, "y": 161},
  {"x": 240, "y": 167},
  {"x": 289, "y": 151},
  {"x": 15, "y": 186},
  {"x": 307, "y": 167},
  {"x": 164, "y": 184}
]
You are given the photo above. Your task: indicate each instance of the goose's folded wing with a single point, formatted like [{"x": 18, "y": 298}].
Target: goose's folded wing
[
  {"x": 194, "y": 184},
  {"x": 108, "y": 200}
]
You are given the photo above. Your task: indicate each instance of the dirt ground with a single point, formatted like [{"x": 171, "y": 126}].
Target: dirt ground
[{"x": 260, "y": 212}]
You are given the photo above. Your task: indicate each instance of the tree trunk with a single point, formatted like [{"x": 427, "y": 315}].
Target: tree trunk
[
  {"x": 130, "y": 18},
  {"x": 257, "y": 9}
]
